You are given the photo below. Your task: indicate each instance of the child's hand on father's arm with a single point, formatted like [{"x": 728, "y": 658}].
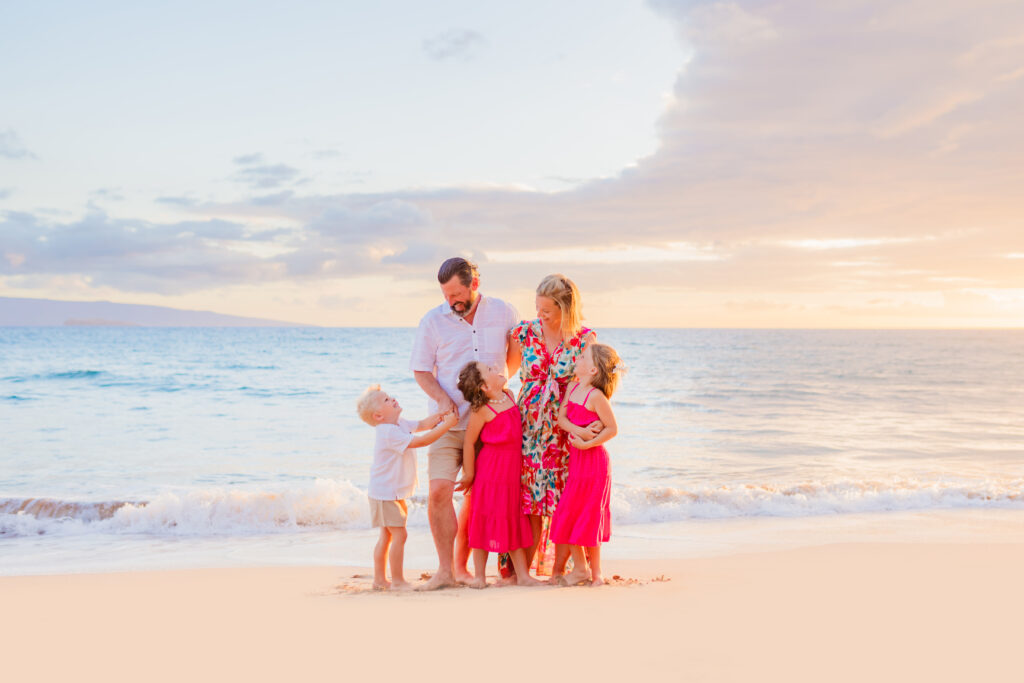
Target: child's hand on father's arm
[{"x": 465, "y": 482}]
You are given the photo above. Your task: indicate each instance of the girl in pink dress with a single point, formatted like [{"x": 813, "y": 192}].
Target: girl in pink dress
[
  {"x": 583, "y": 519},
  {"x": 496, "y": 521}
]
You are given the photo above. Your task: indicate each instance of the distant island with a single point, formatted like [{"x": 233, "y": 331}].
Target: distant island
[{"x": 49, "y": 313}]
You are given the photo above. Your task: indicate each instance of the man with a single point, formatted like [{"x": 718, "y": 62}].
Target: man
[{"x": 467, "y": 327}]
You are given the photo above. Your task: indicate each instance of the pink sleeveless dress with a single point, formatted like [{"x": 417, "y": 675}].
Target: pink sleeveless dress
[
  {"x": 496, "y": 521},
  {"x": 583, "y": 516}
]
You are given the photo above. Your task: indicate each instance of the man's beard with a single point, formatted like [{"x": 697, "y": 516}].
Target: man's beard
[{"x": 467, "y": 306}]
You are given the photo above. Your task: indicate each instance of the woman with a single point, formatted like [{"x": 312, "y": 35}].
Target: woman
[{"x": 547, "y": 350}]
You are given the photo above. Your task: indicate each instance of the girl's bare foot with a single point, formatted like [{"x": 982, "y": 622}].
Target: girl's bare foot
[
  {"x": 598, "y": 580},
  {"x": 381, "y": 585},
  {"x": 576, "y": 576},
  {"x": 555, "y": 580},
  {"x": 529, "y": 581},
  {"x": 507, "y": 581},
  {"x": 463, "y": 577},
  {"x": 477, "y": 582},
  {"x": 401, "y": 585}
]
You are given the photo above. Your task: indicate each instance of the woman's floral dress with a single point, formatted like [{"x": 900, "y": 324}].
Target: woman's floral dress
[
  {"x": 545, "y": 446},
  {"x": 545, "y": 377}
]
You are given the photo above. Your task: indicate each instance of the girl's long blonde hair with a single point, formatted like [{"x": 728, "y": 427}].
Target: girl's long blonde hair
[{"x": 566, "y": 296}]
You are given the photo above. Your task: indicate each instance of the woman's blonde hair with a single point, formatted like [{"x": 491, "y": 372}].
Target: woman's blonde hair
[
  {"x": 609, "y": 368},
  {"x": 566, "y": 296}
]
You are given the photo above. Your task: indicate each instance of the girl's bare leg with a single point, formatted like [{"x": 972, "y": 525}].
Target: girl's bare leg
[
  {"x": 536, "y": 524},
  {"x": 594, "y": 555},
  {"x": 523, "y": 577},
  {"x": 579, "y": 572},
  {"x": 479, "y": 579},
  {"x": 380, "y": 554},
  {"x": 561, "y": 557},
  {"x": 396, "y": 556}
]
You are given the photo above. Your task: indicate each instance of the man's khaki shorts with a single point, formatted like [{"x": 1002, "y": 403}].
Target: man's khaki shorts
[
  {"x": 444, "y": 456},
  {"x": 388, "y": 512}
]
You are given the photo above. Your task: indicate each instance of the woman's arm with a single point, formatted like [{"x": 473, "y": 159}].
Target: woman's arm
[
  {"x": 513, "y": 355},
  {"x": 476, "y": 423},
  {"x": 601, "y": 406}
]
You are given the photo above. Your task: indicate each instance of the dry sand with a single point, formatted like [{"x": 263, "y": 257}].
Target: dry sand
[{"x": 849, "y": 612}]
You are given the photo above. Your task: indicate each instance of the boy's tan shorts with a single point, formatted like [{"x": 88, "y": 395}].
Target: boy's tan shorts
[
  {"x": 388, "y": 512},
  {"x": 444, "y": 456}
]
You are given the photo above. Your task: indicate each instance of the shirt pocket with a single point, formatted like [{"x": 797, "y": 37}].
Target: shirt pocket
[{"x": 493, "y": 342}]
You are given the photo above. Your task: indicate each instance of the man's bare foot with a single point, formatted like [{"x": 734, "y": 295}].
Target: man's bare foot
[
  {"x": 401, "y": 586},
  {"x": 507, "y": 580},
  {"x": 381, "y": 585},
  {"x": 477, "y": 582},
  {"x": 437, "y": 581},
  {"x": 576, "y": 577},
  {"x": 463, "y": 577},
  {"x": 598, "y": 580}
]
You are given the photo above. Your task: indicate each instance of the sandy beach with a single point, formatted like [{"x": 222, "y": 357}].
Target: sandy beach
[{"x": 844, "y": 612}]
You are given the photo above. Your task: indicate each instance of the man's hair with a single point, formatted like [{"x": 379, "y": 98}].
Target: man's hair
[
  {"x": 471, "y": 384},
  {"x": 459, "y": 266},
  {"x": 367, "y": 404},
  {"x": 566, "y": 296}
]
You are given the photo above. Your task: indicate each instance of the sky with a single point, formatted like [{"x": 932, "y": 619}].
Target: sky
[{"x": 689, "y": 164}]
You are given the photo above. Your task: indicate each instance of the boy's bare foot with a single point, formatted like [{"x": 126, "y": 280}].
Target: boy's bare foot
[
  {"x": 576, "y": 577},
  {"x": 382, "y": 585},
  {"x": 437, "y": 581},
  {"x": 477, "y": 582}
]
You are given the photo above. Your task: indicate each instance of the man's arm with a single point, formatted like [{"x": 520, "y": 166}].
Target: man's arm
[{"x": 428, "y": 383}]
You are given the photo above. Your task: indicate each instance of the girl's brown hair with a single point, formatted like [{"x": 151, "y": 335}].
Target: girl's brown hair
[
  {"x": 471, "y": 384},
  {"x": 609, "y": 368}
]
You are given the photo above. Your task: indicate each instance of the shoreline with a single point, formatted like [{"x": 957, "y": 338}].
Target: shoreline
[{"x": 838, "y": 612}]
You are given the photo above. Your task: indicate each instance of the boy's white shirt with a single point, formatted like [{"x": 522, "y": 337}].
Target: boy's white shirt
[{"x": 393, "y": 472}]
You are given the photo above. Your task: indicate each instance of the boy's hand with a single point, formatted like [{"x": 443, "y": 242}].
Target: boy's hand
[
  {"x": 435, "y": 419},
  {"x": 465, "y": 482},
  {"x": 450, "y": 419}
]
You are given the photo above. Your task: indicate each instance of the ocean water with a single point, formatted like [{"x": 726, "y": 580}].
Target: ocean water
[{"x": 126, "y": 447}]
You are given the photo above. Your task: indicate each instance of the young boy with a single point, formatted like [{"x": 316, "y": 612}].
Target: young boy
[{"x": 393, "y": 475}]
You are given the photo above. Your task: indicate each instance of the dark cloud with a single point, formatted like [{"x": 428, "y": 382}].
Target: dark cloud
[
  {"x": 11, "y": 146},
  {"x": 456, "y": 43}
]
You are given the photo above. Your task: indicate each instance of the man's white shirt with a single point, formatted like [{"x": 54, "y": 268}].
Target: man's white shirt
[{"x": 445, "y": 342}]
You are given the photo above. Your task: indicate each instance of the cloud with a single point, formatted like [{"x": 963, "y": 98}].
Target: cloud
[
  {"x": 5, "y": 192},
  {"x": 11, "y": 146},
  {"x": 858, "y": 152},
  {"x": 249, "y": 159},
  {"x": 266, "y": 176},
  {"x": 177, "y": 201},
  {"x": 456, "y": 43}
]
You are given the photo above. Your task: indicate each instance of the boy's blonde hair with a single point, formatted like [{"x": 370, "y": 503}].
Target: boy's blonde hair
[
  {"x": 609, "y": 368},
  {"x": 367, "y": 404},
  {"x": 566, "y": 296}
]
